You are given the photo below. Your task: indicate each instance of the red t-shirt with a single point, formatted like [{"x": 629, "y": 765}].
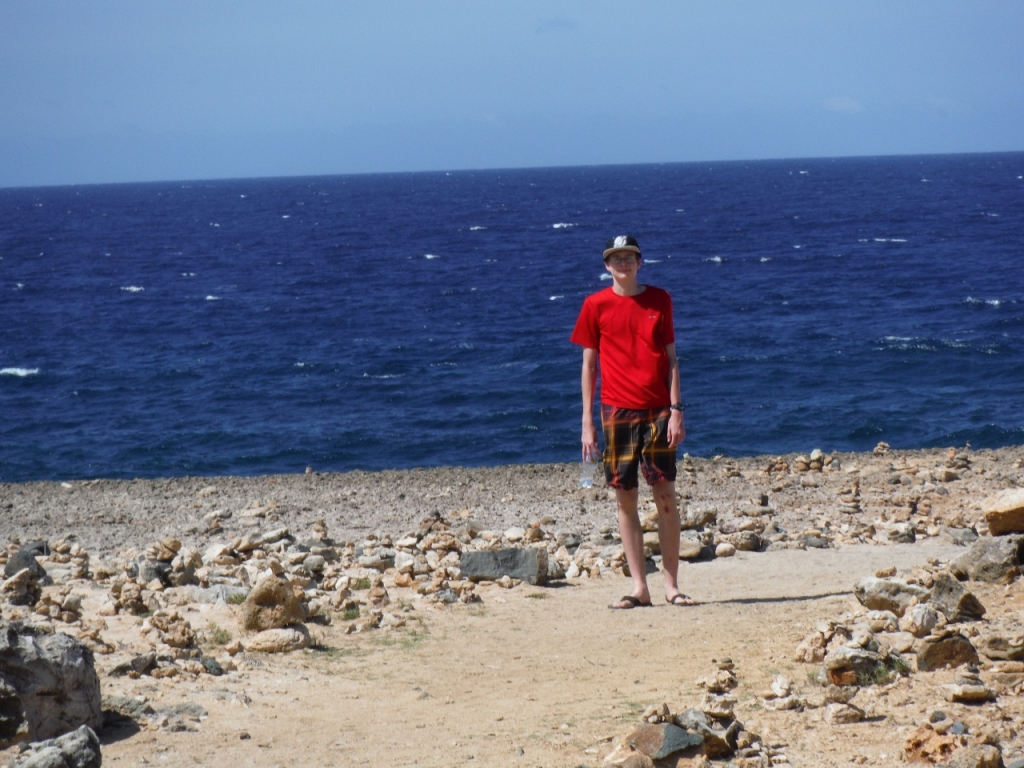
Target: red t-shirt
[{"x": 630, "y": 334}]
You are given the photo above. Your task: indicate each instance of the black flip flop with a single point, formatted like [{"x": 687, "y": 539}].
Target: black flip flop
[
  {"x": 687, "y": 601},
  {"x": 631, "y": 602}
]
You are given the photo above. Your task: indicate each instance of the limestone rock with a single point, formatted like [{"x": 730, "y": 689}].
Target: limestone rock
[
  {"x": 920, "y": 620},
  {"x": 21, "y": 589},
  {"x": 270, "y": 605},
  {"x": 848, "y": 665},
  {"x": 956, "y": 603},
  {"x": 936, "y": 652},
  {"x": 280, "y": 640},
  {"x": 1004, "y": 512},
  {"x": 78, "y": 749},
  {"x": 48, "y": 684},
  {"x": 1001, "y": 647},
  {"x": 924, "y": 745},
  {"x": 971, "y": 694},
  {"x": 811, "y": 649},
  {"x": 690, "y": 548},
  {"x": 696, "y": 518},
  {"x": 991, "y": 559},
  {"x": 725, "y": 549},
  {"x": 843, "y": 714},
  {"x": 720, "y": 706},
  {"x": 626, "y": 756},
  {"x": 529, "y": 565},
  {"x": 887, "y": 594},
  {"x": 977, "y": 756}
]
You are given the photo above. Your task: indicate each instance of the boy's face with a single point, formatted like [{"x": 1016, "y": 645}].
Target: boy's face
[{"x": 622, "y": 265}]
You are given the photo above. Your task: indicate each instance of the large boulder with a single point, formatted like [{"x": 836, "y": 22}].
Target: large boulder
[
  {"x": 529, "y": 565},
  {"x": 1004, "y": 512},
  {"x": 48, "y": 684},
  {"x": 659, "y": 741},
  {"x": 956, "y": 603},
  {"x": 271, "y": 605},
  {"x": 992, "y": 559},
  {"x": 78, "y": 749},
  {"x": 888, "y": 594}
]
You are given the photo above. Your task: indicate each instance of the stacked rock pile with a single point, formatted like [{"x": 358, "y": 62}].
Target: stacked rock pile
[
  {"x": 709, "y": 730},
  {"x": 849, "y": 498}
]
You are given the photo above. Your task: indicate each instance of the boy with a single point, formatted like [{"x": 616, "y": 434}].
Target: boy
[{"x": 628, "y": 327}]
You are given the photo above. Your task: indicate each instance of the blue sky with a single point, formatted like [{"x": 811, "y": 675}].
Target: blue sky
[{"x": 137, "y": 91}]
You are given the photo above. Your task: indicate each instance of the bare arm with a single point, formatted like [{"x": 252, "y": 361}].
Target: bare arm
[
  {"x": 588, "y": 382},
  {"x": 676, "y": 425}
]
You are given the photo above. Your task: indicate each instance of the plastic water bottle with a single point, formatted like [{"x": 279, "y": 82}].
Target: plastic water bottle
[{"x": 587, "y": 469}]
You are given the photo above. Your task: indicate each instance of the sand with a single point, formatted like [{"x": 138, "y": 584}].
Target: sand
[{"x": 532, "y": 676}]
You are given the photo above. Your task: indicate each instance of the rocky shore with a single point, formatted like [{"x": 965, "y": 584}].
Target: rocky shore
[{"x": 227, "y": 581}]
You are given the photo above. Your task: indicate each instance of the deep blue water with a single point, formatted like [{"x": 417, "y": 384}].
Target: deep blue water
[{"x": 401, "y": 320}]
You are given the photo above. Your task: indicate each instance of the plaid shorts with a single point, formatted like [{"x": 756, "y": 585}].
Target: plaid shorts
[{"x": 635, "y": 439}]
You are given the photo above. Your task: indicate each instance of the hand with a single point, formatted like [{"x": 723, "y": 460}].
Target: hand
[
  {"x": 589, "y": 439},
  {"x": 676, "y": 429}
]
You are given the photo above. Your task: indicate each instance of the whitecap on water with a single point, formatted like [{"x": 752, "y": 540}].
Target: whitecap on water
[
  {"x": 765, "y": 258},
  {"x": 606, "y": 276},
  {"x": 562, "y": 225},
  {"x": 18, "y": 371},
  {"x": 989, "y": 302},
  {"x": 476, "y": 229},
  {"x": 652, "y": 261},
  {"x": 383, "y": 376},
  {"x": 286, "y": 216},
  {"x": 555, "y": 298},
  {"x": 430, "y": 256},
  {"x": 714, "y": 259},
  {"x": 132, "y": 288},
  {"x": 213, "y": 298}
]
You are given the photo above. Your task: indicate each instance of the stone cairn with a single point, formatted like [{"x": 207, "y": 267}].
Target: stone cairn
[
  {"x": 849, "y": 498},
  {"x": 709, "y": 731}
]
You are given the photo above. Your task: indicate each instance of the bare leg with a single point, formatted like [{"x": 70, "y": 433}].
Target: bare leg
[
  {"x": 633, "y": 543},
  {"x": 668, "y": 536}
]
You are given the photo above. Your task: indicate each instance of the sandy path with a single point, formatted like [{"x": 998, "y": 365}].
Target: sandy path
[{"x": 551, "y": 672}]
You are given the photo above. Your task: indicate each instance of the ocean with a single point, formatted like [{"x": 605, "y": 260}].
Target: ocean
[{"x": 412, "y": 320}]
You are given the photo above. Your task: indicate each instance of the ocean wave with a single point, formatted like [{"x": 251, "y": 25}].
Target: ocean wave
[
  {"x": 714, "y": 259},
  {"x": 652, "y": 261},
  {"x": 213, "y": 298},
  {"x": 562, "y": 225},
  {"x": 132, "y": 288},
  {"x": 476, "y": 229},
  {"x": 22, "y": 372},
  {"x": 384, "y": 376},
  {"x": 888, "y": 240},
  {"x": 606, "y": 276},
  {"x": 188, "y": 274},
  {"x": 431, "y": 256},
  {"x": 555, "y": 298},
  {"x": 763, "y": 259}
]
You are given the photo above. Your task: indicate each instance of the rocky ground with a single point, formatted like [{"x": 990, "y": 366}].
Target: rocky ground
[{"x": 399, "y": 659}]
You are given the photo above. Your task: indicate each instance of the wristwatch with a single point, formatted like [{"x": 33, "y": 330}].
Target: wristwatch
[{"x": 676, "y": 406}]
